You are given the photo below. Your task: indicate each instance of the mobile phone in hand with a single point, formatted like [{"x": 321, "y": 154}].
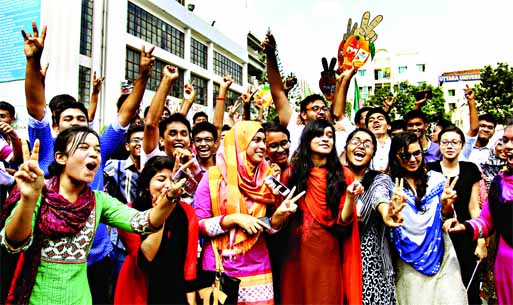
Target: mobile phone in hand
[
  {"x": 265, "y": 220},
  {"x": 284, "y": 191},
  {"x": 179, "y": 175}
]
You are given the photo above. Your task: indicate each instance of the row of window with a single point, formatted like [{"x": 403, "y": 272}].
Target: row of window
[
  {"x": 84, "y": 84},
  {"x": 224, "y": 66},
  {"x": 381, "y": 73},
  {"x": 86, "y": 28},
  {"x": 155, "y": 31}
]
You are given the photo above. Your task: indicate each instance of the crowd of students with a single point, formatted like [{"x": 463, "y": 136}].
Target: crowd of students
[{"x": 373, "y": 211}]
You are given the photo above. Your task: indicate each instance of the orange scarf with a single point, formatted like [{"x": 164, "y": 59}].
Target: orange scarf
[{"x": 235, "y": 184}]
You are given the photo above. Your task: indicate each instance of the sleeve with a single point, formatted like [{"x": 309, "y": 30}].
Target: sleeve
[
  {"x": 110, "y": 139},
  {"x": 208, "y": 225},
  {"x": 28, "y": 243},
  {"x": 482, "y": 225},
  {"x": 383, "y": 191},
  {"x": 192, "y": 249},
  {"x": 119, "y": 215},
  {"x": 475, "y": 173},
  {"x": 42, "y": 130},
  {"x": 469, "y": 145}
]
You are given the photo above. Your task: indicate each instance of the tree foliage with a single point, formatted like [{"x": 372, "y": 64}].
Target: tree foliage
[
  {"x": 405, "y": 101},
  {"x": 494, "y": 94}
]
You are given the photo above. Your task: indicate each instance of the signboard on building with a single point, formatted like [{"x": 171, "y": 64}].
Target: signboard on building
[
  {"x": 459, "y": 78},
  {"x": 15, "y": 15}
]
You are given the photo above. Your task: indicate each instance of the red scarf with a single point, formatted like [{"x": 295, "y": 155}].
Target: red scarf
[
  {"x": 315, "y": 200},
  {"x": 57, "y": 217}
]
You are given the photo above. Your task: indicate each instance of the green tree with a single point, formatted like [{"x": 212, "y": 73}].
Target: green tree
[
  {"x": 494, "y": 94},
  {"x": 405, "y": 101}
]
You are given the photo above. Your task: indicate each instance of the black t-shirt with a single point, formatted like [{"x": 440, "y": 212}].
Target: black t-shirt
[{"x": 468, "y": 175}]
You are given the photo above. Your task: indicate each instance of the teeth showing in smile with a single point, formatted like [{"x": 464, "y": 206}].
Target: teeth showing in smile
[{"x": 178, "y": 145}]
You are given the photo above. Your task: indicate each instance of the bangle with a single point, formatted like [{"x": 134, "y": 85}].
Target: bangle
[{"x": 220, "y": 99}]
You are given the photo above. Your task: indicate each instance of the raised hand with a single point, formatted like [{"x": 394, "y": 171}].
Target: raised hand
[
  {"x": 449, "y": 195},
  {"x": 367, "y": 30},
  {"x": 392, "y": 217},
  {"x": 289, "y": 83},
  {"x": 327, "y": 83},
  {"x": 355, "y": 189},
  {"x": 30, "y": 177},
  {"x": 389, "y": 101},
  {"x": 35, "y": 43},
  {"x": 350, "y": 29},
  {"x": 269, "y": 44},
  {"x": 469, "y": 93},
  {"x": 233, "y": 109},
  {"x": 288, "y": 206},
  {"x": 146, "y": 62},
  {"x": 97, "y": 83},
  {"x": 227, "y": 82},
  {"x": 170, "y": 72}
]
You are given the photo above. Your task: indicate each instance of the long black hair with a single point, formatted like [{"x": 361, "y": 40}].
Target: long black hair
[
  {"x": 302, "y": 164},
  {"x": 143, "y": 201},
  {"x": 67, "y": 143},
  {"x": 400, "y": 143}
]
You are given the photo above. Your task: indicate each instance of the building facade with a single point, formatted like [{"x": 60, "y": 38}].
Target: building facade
[{"x": 106, "y": 36}]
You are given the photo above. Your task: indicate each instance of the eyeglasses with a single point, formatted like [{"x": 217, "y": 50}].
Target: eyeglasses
[
  {"x": 366, "y": 144},
  {"x": 283, "y": 144},
  {"x": 452, "y": 143},
  {"x": 407, "y": 155},
  {"x": 319, "y": 108},
  {"x": 136, "y": 140},
  {"x": 200, "y": 140}
]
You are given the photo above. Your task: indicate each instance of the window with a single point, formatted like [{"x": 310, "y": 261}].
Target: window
[
  {"x": 362, "y": 72},
  {"x": 402, "y": 69},
  {"x": 199, "y": 53},
  {"x": 365, "y": 92},
  {"x": 84, "y": 84},
  {"x": 451, "y": 92},
  {"x": 132, "y": 72},
  {"x": 155, "y": 31},
  {"x": 86, "y": 28},
  {"x": 421, "y": 67},
  {"x": 200, "y": 85},
  {"x": 231, "y": 96},
  {"x": 380, "y": 74},
  {"x": 224, "y": 66}
]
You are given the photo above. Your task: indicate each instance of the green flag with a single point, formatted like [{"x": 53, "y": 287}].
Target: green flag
[{"x": 357, "y": 98}]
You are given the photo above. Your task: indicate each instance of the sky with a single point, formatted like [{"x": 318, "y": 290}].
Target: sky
[{"x": 451, "y": 34}]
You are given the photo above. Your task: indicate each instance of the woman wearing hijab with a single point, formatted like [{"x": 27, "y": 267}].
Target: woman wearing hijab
[{"x": 231, "y": 202}]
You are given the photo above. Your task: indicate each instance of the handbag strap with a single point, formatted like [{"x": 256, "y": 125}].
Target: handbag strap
[{"x": 219, "y": 263}]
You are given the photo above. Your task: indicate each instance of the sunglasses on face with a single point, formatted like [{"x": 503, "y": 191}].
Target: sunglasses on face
[{"x": 407, "y": 155}]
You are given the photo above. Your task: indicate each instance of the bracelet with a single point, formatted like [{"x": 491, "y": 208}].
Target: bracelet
[{"x": 220, "y": 99}]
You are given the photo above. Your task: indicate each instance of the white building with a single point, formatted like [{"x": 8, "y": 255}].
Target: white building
[
  {"x": 452, "y": 84},
  {"x": 388, "y": 69},
  {"x": 106, "y": 36}
]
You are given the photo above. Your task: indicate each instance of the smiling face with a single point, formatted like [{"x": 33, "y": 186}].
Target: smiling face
[
  {"x": 134, "y": 144},
  {"x": 418, "y": 126},
  {"x": 507, "y": 140},
  {"x": 159, "y": 181},
  {"x": 377, "y": 123},
  {"x": 450, "y": 145},
  {"x": 323, "y": 144},
  {"x": 360, "y": 149},
  {"x": 82, "y": 163},
  {"x": 72, "y": 117},
  {"x": 411, "y": 159},
  {"x": 315, "y": 110},
  {"x": 278, "y": 147},
  {"x": 486, "y": 130},
  {"x": 255, "y": 152},
  {"x": 204, "y": 144},
  {"x": 175, "y": 136}
]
